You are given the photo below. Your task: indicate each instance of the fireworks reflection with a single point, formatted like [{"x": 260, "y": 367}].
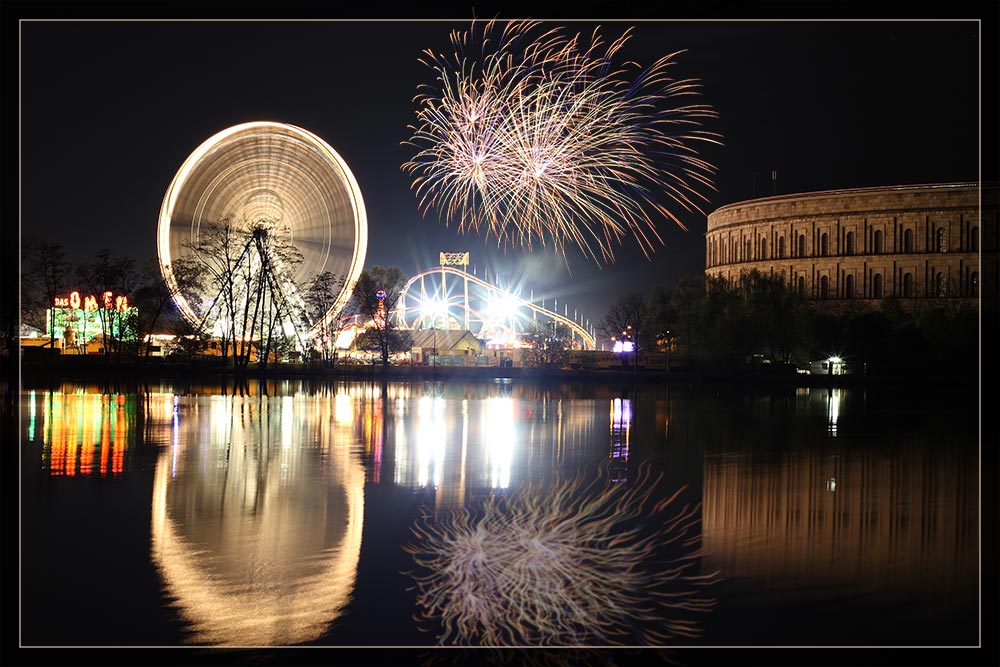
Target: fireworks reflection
[{"x": 580, "y": 564}]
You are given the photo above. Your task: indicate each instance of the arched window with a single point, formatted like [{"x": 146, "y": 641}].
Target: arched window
[
  {"x": 824, "y": 245},
  {"x": 849, "y": 287},
  {"x": 763, "y": 248},
  {"x": 974, "y": 239},
  {"x": 942, "y": 240},
  {"x": 877, "y": 242},
  {"x": 802, "y": 245},
  {"x": 850, "y": 243},
  {"x": 824, "y": 287},
  {"x": 877, "y": 286},
  {"x": 908, "y": 285},
  {"x": 940, "y": 284},
  {"x": 802, "y": 286},
  {"x": 974, "y": 283},
  {"x": 781, "y": 247},
  {"x": 908, "y": 240}
]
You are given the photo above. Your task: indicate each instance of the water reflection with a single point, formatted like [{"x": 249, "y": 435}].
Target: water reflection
[
  {"x": 586, "y": 562},
  {"x": 85, "y": 433},
  {"x": 621, "y": 427},
  {"x": 832, "y": 411},
  {"x": 865, "y": 516},
  {"x": 487, "y": 439},
  {"x": 257, "y": 497},
  {"x": 257, "y": 513}
]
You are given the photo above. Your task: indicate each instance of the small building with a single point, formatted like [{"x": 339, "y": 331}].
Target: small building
[
  {"x": 446, "y": 347},
  {"x": 830, "y": 366}
]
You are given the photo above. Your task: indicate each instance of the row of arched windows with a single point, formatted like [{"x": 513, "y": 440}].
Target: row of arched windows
[
  {"x": 939, "y": 286},
  {"x": 877, "y": 246}
]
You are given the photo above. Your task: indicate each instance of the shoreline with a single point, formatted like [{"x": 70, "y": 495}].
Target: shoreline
[{"x": 91, "y": 369}]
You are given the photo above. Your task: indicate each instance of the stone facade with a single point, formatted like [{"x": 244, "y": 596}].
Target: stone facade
[{"x": 916, "y": 242}]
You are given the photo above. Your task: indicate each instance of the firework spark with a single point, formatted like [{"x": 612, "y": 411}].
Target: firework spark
[
  {"x": 544, "y": 139},
  {"x": 574, "y": 565}
]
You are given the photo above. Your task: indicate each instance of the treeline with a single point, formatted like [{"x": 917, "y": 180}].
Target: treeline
[
  {"x": 238, "y": 288},
  {"x": 47, "y": 274},
  {"x": 711, "y": 322}
]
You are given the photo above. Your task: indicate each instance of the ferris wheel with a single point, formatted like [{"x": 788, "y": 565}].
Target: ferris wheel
[{"x": 263, "y": 208}]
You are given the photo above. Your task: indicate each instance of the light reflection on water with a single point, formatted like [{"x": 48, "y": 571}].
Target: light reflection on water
[
  {"x": 258, "y": 495},
  {"x": 257, "y": 511},
  {"x": 840, "y": 517}
]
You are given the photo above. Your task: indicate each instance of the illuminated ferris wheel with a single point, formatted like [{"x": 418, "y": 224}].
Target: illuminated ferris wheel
[{"x": 262, "y": 208}]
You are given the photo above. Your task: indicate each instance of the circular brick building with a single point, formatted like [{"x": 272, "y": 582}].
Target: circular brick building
[{"x": 858, "y": 246}]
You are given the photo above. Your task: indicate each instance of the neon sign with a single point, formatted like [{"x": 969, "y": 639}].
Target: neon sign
[{"x": 110, "y": 301}]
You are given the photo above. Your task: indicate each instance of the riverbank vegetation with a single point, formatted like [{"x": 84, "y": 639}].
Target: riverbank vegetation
[{"x": 699, "y": 327}]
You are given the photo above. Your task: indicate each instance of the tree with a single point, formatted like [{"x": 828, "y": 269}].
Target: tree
[
  {"x": 112, "y": 280},
  {"x": 189, "y": 341},
  {"x": 548, "y": 346},
  {"x": 770, "y": 307},
  {"x": 727, "y": 331},
  {"x": 626, "y": 321},
  {"x": 248, "y": 267},
  {"x": 45, "y": 275},
  {"x": 325, "y": 307},
  {"x": 374, "y": 298},
  {"x": 153, "y": 299}
]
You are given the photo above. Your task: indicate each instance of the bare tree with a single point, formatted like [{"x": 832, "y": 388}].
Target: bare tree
[
  {"x": 153, "y": 299},
  {"x": 45, "y": 275},
  {"x": 248, "y": 268},
  {"x": 111, "y": 280},
  {"x": 321, "y": 299},
  {"x": 548, "y": 345},
  {"x": 217, "y": 254},
  {"x": 374, "y": 298},
  {"x": 626, "y": 321}
]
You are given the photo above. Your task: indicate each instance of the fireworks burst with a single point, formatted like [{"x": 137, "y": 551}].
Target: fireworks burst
[
  {"x": 574, "y": 565},
  {"x": 543, "y": 139}
]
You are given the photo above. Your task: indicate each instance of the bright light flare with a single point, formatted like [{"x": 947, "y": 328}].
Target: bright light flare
[
  {"x": 623, "y": 346},
  {"x": 504, "y": 307},
  {"x": 432, "y": 308}
]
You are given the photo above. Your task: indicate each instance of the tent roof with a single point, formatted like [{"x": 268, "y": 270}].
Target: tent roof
[{"x": 444, "y": 339}]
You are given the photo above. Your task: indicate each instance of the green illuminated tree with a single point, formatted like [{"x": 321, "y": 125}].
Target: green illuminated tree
[{"x": 109, "y": 278}]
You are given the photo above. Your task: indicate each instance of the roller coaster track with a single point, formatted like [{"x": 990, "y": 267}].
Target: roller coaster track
[{"x": 411, "y": 302}]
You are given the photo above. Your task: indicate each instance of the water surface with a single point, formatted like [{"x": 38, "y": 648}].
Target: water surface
[{"x": 286, "y": 513}]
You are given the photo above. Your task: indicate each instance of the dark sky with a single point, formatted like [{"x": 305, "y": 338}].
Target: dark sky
[{"x": 110, "y": 109}]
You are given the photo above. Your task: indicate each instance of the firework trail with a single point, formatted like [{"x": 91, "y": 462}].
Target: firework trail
[
  {"x": 595, "y": 564},
  {"x": 543, "y": 139}
]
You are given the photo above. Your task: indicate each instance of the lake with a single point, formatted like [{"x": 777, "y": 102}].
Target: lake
[{"x": 307, "y": 513}]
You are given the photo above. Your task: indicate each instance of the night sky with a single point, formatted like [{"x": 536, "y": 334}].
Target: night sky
[{"x": 110, "y": 109}]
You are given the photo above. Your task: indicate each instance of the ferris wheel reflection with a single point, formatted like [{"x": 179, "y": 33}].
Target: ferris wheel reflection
[{"x": 256, "y": 518}]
